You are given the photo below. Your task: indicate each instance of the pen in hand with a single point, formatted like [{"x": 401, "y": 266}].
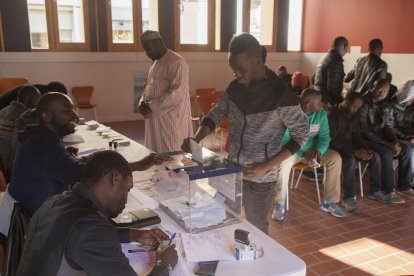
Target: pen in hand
[
  {"x": 172, "y": 238},
  {"x": 136, "y": 250}
]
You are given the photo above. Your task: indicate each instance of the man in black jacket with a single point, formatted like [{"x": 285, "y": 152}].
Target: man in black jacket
[
  {"x": 404, "y": 120},
  {"x": 377, "y": 128},
  {"x": 71, "y": 232},
  {"x": 330, "y": 74},
  {"x": 345, "y": 139},
  {"x": 368, "y": 69}
]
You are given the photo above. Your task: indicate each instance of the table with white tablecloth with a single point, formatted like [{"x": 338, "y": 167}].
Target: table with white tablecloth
[{"x": 277, "y": 260}]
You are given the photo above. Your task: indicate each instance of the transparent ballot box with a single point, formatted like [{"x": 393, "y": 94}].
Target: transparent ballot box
[{"x": 200, "y": 194}]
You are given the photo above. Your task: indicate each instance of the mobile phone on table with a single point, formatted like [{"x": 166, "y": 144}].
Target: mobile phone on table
[{"x": 206, "y": 268}]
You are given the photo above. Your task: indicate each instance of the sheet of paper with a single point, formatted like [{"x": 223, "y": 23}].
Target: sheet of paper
[
  {"x": 196, "y": 151},
  {"x": 142, "y": 199},
  {"x": 88, "y": 151},
  {"x": 73, "y": 138},
  {"x": 141, "y": 262},
  {"x": 214, "y": 247}
]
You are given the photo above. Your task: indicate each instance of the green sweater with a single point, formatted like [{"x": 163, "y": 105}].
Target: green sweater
[{"x": 318, "y": 133}]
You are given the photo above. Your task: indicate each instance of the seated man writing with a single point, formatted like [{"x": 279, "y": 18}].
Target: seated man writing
[
  {"x": 315, "y": 150},
  {"x": 70, "y": 233}
]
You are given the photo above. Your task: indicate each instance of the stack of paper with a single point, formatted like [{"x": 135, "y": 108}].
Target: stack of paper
[{"x": 202, "y": 211}]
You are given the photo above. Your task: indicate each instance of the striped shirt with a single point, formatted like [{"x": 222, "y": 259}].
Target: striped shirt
[{"x": 167, "y": 92}]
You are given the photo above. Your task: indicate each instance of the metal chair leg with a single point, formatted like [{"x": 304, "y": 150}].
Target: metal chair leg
[
  {"x": 317, "y": 184},
  {"x": 297, "y": 181},
  {"x": 361, "y": 187}
]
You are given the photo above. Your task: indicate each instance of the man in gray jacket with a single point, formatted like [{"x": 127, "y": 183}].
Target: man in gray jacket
[{"x": 260, "y": 108}]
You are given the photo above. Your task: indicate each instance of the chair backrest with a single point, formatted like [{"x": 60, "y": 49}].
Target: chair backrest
[
  {"x": 218, "y": 93},
  {"x": 8, "y": 83},
  {"x": 205, "y": 91},
  {"x": 82, "y": 95},
  {"x": 206, "y": 102},
  {"x": 194, "y": 106},
  {"x": 19, "y": 223}
]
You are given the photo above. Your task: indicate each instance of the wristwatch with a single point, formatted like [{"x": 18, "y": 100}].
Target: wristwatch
[{"x": 167, "y": 267}]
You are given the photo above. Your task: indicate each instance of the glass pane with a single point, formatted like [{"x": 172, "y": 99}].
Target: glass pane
[
  {"x": 261, "y": 20},
  {"x": 218, "y": 24},
  {"x": 71, "y": 21},
  {"x": 122, "y": 23},
  {"x": 239, "y": 20},
  {"x": 149, "y": 15},
  {"x": 193, "y": 22},
  {"x": 38, "y": 24},
  {"x": 295, "y": 25}
]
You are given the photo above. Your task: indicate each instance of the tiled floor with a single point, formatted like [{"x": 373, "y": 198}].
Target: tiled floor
[{"x": 379, "y": 240}]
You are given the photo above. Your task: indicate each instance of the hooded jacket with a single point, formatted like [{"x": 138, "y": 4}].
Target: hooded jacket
[{"x": 259, "y": 115}]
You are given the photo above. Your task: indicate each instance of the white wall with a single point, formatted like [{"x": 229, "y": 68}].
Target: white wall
[
  {"x": 111, "y": 74},
  {"x": 401, "y": 66}
]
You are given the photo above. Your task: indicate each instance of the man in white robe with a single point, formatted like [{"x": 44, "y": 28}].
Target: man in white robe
[{"x": 165, "y": 102}]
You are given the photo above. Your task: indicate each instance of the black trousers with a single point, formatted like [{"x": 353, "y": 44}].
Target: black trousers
[
  {"x": 257, "y": 202},
  {"x": 349, "y": 162},
  {"x": 405, "y": 173}
]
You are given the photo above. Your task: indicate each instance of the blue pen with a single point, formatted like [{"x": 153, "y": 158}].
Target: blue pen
[{"x": 172, "y": 238}]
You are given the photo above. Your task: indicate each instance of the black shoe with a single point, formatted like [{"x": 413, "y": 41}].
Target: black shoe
[{"x": 380, "y": 196}]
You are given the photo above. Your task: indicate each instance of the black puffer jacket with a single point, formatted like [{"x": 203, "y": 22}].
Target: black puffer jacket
[
  {"x": 377, "y": 121},
  {"x": 329, "y": 77},
  {"x": 367, "y": 70}
]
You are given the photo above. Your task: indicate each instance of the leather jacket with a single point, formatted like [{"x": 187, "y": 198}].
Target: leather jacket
[
  {"x": 329, "y": 77},
  {"x": 403, "y": 120},
  {"x": 377, "y": 121},
  {"x": 367, "y": 70}
]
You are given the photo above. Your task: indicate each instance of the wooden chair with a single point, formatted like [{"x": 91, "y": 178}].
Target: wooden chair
[
  {"x": 205, "y": 91},
  {"x": 195, "y": 118},
  {"x": 301, "y": 167},
  {"x": 8, "y": 83},
  {"x": 223, "y": 129},
  {"x": 82, "y": 96},
  {"x": 19, "y": 224},
  {"x": 206, "y": 102}
]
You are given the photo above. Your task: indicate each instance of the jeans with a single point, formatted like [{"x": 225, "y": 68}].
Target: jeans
[
  {"x": 257, "y": 202},
  {"x": 349, "y": 163},
  {"x": 405, "y": 173}
]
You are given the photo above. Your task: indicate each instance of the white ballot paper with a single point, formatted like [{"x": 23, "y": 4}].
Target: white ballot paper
[
  {"x": 204, "y": 247},
  {"x": 196, "y": 151}
]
